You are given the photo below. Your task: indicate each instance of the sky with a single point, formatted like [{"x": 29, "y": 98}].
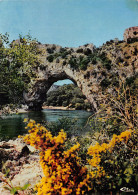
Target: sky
[{"x": 69, "y": 23}]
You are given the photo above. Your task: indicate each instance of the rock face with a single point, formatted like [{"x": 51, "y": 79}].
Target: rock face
[
  {"x": 93, "y": 70},
  {"x": 131, "y": 33},
  {"x": 53, "y": 88},
  {"x": 22, "y": 161}
]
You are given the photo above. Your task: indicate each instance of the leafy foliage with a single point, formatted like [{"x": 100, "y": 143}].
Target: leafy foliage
[
  {"x": 113, "y": 164},
  {"x": 118, "y": 110},
  {"x": 109, "y": 165},
  {"x": 17, "y": 63},
  {"x": 63, "y": 53},
  {"x": 67, "y": 95},
  {"x": 81, "y": 62},
  {"x": 63, "y": 172},
  {"x": 69, "y": 126}
]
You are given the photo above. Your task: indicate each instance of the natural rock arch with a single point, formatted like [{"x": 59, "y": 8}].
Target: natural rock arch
[
  {"x": 36, "y": 98},
  {"x": 93, "y": 70}
]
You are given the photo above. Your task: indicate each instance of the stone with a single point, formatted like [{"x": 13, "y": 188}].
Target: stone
[
  {"x": 112, "y": 59},
  {"x": 25, "y": 151},
  {"x": 131, "y": 33},
  {"x": 24, "y": 166},
  {"x": 3, "y": 156}
]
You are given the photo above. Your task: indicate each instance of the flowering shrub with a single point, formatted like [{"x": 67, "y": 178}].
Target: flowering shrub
[
  {"x": 113, "y": 164},
  {"x": 63, "y": 172}
]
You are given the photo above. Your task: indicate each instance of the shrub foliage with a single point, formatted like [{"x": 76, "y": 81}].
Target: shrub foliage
[
  {"x": 63, "y": 172},
  {"x": 68, "y": 95},
  {"x": 109, "y": 167},
  {"x": 17, "y": 63}
]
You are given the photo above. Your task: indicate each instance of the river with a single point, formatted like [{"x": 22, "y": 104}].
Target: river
[{"x": 12, "y": 125}]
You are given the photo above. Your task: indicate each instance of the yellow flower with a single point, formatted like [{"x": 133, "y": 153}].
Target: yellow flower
[
  {"x": 61, "y": 168},
  {"x": 25, "y": 120},
  {"x": 96, "y": 151}
]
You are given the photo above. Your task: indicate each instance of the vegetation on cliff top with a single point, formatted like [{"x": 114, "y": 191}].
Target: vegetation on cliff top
[{"x": 19, "y": 62}]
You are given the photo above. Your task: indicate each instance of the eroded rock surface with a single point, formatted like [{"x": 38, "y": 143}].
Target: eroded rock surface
[
  {"x": 23, "y": 164},
  {"x": 93, "y": 70},
  {"x": 131, "y": 33}
]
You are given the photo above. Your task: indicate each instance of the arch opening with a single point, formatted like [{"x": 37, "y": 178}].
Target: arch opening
[
  {"x": 62, "y": 82},
  {"x": 37, "y": 97},
  {"x": 65, "y": 94}
]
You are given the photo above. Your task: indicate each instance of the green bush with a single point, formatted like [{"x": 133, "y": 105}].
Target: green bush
[
  {"x": 50, "y": 58},
  {"x": 78, "y": 106},
  {"x": 69, "y": 125},
  {"x": 17, "y": 63},
  {"x": 113, "y": 164},
  {"x": 67, "y": 95},
  {"x": 79, "y": 63},
  {"x": 73, "y": 62},
  {"x": 105, "y": 83}
]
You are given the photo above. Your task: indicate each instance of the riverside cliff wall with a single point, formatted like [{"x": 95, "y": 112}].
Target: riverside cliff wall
[{"x": 94, "y": 70}]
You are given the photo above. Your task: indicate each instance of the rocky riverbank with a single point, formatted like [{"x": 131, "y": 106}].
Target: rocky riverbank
[
  {"x": 21, "y": 162},
  {"x": 13, "y": 109},
  {"x": 7, "y": 110},
  {"x": 61, "y": 108},
  {"x": 58, "y": 108}
]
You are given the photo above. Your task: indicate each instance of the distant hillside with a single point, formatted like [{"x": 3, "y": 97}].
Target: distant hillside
[{"x": 53, "y": 88}]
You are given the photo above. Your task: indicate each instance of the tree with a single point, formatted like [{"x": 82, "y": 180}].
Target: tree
[{"x": 17, "y": 64}]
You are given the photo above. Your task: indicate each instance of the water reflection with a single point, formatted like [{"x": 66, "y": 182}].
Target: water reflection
[{"x": 11, "y": 126}]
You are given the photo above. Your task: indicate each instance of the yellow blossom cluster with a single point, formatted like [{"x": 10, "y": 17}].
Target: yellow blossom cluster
[
  {"x": 96, "y": 151},
  {"x": 63, "y": 172}
]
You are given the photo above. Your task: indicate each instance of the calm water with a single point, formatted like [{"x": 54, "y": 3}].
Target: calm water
[{"x": 12, "y": 126}]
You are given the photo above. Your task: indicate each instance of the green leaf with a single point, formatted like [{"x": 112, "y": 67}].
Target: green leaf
[
  {"x": 125, "y": 164},
  {"x": 13, "y": 190},
  {"x": 25, "y": 186},
  {"x": 127, "y": 179},
  {"x": 7, "y": 171},
  {"x": 18, "y": 188},
  {"x": 7, "y": 188},
  {"x": 128, "y": 171},
  {"x": 136, "y": 178},
  {"x": 120, "y": 182}
]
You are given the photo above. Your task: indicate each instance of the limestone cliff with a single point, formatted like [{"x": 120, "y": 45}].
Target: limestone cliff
[{"x": 94, "y": 70}]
